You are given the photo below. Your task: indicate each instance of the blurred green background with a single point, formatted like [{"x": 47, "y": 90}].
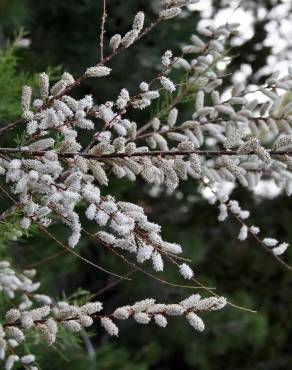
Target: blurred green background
[{"x": 64, "y": 36}]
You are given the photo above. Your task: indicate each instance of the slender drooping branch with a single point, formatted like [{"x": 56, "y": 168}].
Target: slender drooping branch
[{"x": 240, "y": 220}]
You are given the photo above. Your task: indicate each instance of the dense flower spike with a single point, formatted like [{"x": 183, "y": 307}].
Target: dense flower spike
[{"x": 46, "y": 320}]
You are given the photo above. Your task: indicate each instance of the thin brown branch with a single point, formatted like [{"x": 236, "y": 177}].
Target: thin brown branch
[
  {"x": 47, "y": 259},
  {"x": 70, "y": 250},
  {"x": 111, "y": 285},
  {"x": 102, "y": 30},
  {"x": 258, "y": 240},
  {"x": 137, "y": 268},
  {"x": 153, "y": 153},
  {"x": 210, "y": 291}
]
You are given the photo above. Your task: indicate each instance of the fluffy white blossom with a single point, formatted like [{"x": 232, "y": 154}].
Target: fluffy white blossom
[
  {"x": 44, "y": 86},
  {"x": 129, "y": 38},
  {"x": 138, "y": 22},
  {"x": 186, "y": 271},
  {"x": 195, "y": 321},
  {"x": 167, "y": 84},
  {"x": 280, "y": 249},
  {"x": 270, "y": 242},
  {"x": 109, "y": 326},
  {"x": 115, "y": 42},
  {"x": 170, "y": 13},
  {"x": 26, "y": 98},
  {"x": 99, "y": 71},
  {"x": 243, "y": 233}
]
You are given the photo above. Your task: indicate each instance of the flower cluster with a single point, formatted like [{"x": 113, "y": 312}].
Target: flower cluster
[
  {"x": 14, "y": 284},
  {"x": 18, "y": 287},
  {"x": 230, "y": 137},
  {"x": 43, "y": 315},
  {"x": 46, "y": 319}
]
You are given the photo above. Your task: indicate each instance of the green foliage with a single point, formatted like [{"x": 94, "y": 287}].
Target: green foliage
[
  {"x": 10, "y": 229},
  {"x": 12, "y": 80},
  {"x": 11, "y": 83}
]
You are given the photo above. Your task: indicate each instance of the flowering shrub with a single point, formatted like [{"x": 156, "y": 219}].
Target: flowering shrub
[{"x": 227, "y": 139}]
